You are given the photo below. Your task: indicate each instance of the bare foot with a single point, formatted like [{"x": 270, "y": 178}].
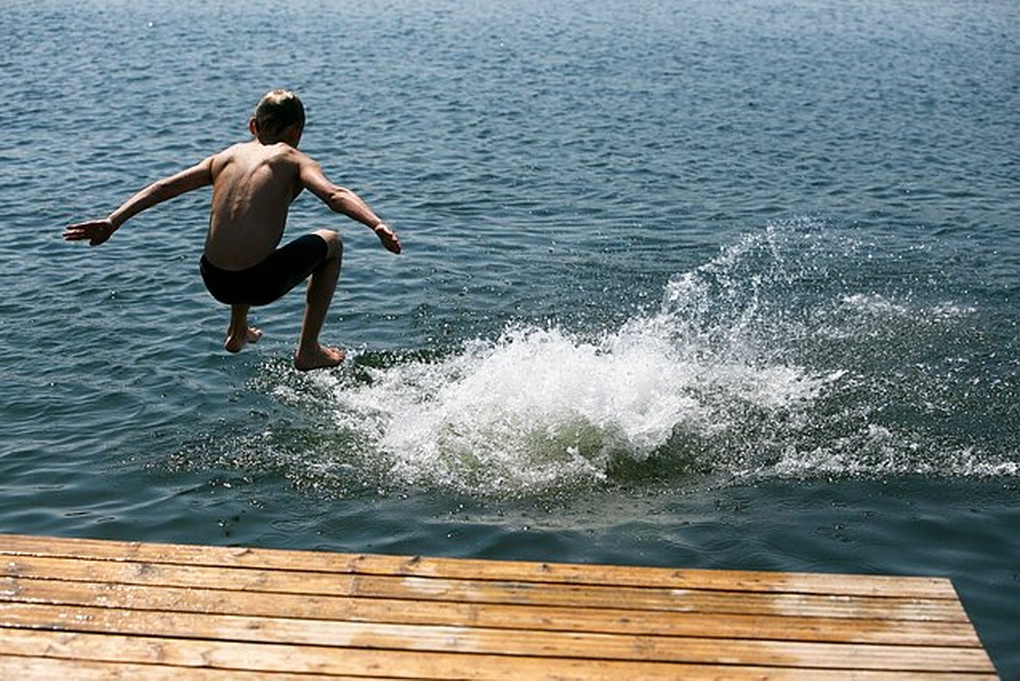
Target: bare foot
[
  {"x": 321, "y": 358},
  {"x": 236, "y": 344}
]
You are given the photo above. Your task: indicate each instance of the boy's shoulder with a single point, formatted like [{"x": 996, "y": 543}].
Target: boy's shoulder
[{"x": 256, "y": 153}]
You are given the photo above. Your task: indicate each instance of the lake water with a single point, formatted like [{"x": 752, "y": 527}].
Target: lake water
[{"x": 720, "y": 285}]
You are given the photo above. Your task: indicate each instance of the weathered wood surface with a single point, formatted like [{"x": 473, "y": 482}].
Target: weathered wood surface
[{"x": 89, "y": 609}]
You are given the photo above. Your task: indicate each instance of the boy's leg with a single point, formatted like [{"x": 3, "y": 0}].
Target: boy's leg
[
  {"x": 239, "y": 333},
  {"x": 310, "y": 354}
]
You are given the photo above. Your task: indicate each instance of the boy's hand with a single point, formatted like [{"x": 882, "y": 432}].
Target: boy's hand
[
  {"x": 96, "y": 231},
  {"x": 388, "y": 237}
]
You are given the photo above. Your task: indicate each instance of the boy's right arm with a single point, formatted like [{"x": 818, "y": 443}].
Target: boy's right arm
[{"x": 98, "y": 231}]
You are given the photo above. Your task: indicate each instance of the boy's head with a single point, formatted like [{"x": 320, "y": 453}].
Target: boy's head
[{"x": 277, "y": 111}]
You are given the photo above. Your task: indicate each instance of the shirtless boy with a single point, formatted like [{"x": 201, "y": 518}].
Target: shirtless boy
[{"x": 254, "y": 184}]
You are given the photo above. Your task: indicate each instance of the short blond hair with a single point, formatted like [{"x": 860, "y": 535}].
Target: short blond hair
[{"x": 276, "y": 111}]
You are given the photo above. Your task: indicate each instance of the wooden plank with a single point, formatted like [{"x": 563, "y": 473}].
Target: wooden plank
[
  {"x": 488, "y": 591},
  {"x": 48, "y": 669},
  {"x": 188, "y": 656},
  {"x": 559, "y": 573},
  {"x": 162, "y": 610},
  {"x": 436, "y": 638},
  {"x": 385, "y": 610}
]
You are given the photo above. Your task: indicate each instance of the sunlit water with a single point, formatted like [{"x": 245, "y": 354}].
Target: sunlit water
[{"x": 690, "y": 284}]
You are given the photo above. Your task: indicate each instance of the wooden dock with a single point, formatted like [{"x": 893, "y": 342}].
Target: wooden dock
[{"x": 74, "y": 609}]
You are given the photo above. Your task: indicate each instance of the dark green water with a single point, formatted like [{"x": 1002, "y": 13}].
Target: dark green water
[{"x": 689, "y": 284}]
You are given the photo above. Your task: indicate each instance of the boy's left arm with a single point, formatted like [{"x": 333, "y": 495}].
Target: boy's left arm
[
  {"x": 98, "y": 231},
  {"x": 343, "y": 200}
]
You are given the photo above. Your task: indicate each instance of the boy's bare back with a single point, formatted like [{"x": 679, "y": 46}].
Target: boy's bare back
[{"x": 253, "y": 187}]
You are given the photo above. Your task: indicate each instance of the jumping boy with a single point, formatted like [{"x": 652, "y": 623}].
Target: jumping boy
[{"x": 254, "y": 184}]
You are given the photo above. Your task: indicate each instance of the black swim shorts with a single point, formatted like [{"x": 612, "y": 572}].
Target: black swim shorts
[{"x": 267, "y": 281}]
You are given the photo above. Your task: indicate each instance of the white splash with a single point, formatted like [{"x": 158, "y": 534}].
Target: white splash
[
  {"x": 539, "y": 408},
  {"x": 749, "y": 368}
]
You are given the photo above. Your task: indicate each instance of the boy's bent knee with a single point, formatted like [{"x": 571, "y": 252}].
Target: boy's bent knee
[{"x": 334, "y": 243}]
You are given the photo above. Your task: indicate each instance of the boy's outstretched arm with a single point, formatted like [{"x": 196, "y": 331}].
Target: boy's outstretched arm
[
  {"x": 98, "y": 231},
  {"x": 346, "y": 202}
]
